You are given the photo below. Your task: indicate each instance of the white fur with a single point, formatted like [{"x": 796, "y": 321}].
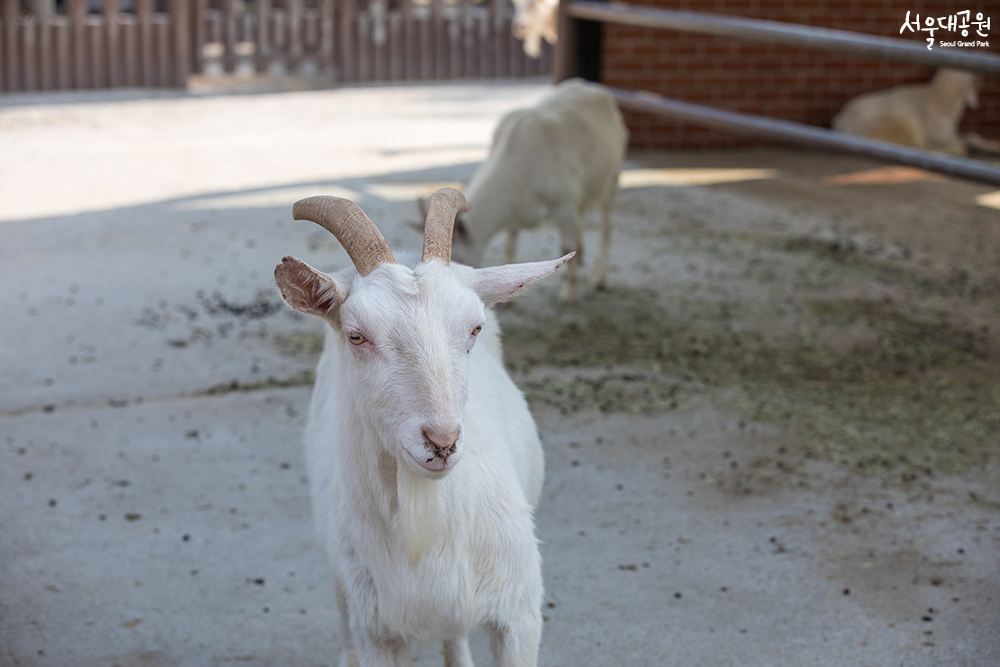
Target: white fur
[
  {"x": 419, "y": 554},
  {"x": 920, "y": 115},
  {"x": 549, "y": 163}
]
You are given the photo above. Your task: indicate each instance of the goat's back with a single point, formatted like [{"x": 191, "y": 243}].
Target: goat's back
[
  {"x": 573, "y": 139},
  {"x": 908, "y": 113}
]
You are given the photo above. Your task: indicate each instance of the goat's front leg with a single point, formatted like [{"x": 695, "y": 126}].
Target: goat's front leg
[
  {"x": 516, "y": 646},
  {"x": 457, "y": 653},
  {"x": 382, "y": 651},
  {"x": 570, "y": 225},
  {"x": 603, "y": 247},
  {"x": 374, "y": 648}
]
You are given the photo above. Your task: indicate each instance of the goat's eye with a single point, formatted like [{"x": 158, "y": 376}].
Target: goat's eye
[
  {"x": 475, "y": 332},
  {"x": 356, "y": 339}
]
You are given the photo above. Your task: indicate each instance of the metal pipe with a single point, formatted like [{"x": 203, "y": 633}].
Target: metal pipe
[
  {"x": 809, "y": 135},
  {"x": 785, "y": 33}
]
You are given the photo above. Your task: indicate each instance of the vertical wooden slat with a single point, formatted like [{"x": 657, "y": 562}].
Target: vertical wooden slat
[
  {"x": 310, "y": 32},
  {"x": 471, "y": 44},
  {"x": 409, "y": 61},
  {"x": 229, "y": 35},
  {"x": 199, "y": 34},
  {"x": 379, "y": 35},
  {"x": 29, "y": 53},
  {"x": 485, "y": 25},
  {"x": 181, "y": 30},
  {"x": 45, "y": 49},
  {"x": 437, "y": 39},
  {"x": 3, "y": 48},
  {"x": 131, "y": 70},
  {"x": 363, "y": 50},
  {"x": 426, "y": 48},
  {"x": 60, "y": 37},
  {"x": 95, "y": 43},
  {"x": 295, "y": 49},
  {"x": 279, "y": 38},
  {"x": 515, "y": 51},
  {"x": 446, "y": 51},
  {"x": 468, "y": 40},
  {"x": 455, "y": 55},
  {"x": 326, "y": 28},
  {"x": 497, "y": 41},
  {"x": 111, "y": 9},
  {"x": 144, "y": 12},
  {"x": 263, "y": 47},
  {"x": 392, "y": 35},
  {"x": 161, "y": 23},
  {"x": 9, "y": 18},
  {"x": 348, "y": 64},
  {"x": 78, "y": 45},
  {"x": 397, "y": 51}
]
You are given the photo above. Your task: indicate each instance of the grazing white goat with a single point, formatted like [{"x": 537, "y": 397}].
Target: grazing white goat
[
  {"x": 922, "y": 115},
  {"x": 533, "y": 20},
  {"x": 424, "y": 462},
  {"x": 549, "y": 163}
]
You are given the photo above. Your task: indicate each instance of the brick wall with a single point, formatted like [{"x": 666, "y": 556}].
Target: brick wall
[{"x": 803, "y": 85}]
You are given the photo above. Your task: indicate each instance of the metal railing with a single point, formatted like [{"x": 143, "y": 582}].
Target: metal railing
[
  {"x": 784, "y": 33},
  {"x": 759, "y": 30}
]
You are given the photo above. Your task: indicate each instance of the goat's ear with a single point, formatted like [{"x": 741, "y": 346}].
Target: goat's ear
[
  {"x": 494, "y": 284},
  {"x": 307, "y": 290}
]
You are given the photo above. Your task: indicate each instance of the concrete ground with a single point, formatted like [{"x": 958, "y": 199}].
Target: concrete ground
[{"x": 153, "y": 505}]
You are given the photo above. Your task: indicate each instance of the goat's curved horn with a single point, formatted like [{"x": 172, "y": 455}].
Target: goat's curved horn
[
  {"x": 362, "y": 240},
  {"x": 442, "y": 208}
]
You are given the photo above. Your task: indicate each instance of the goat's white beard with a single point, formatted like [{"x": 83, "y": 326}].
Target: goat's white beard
[{"x": 420, "y": 513}]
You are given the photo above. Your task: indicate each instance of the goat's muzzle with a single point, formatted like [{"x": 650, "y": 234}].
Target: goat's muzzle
[{"x": 440, "y": 445}]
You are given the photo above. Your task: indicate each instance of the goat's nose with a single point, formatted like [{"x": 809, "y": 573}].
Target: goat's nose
[{"x": 442, "y": 442}]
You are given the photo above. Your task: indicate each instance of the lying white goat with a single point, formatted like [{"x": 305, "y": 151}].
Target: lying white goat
[
  {"x": 922, "y": 115},
  {"x": 549, "y": 163},
  {"x": 533, "y": 20},
  {"x": 424, "y": 462}
]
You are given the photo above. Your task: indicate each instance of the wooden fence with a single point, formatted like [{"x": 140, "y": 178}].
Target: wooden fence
[{"x": 160, "y": 43}]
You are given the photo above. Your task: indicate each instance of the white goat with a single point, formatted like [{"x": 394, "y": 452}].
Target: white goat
[
  {"x": 424, "y": 462},
  {"x": 533, "y": 20},
  {"x": 922, "y": 115},
  {"x": 550, "y": 163}
]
